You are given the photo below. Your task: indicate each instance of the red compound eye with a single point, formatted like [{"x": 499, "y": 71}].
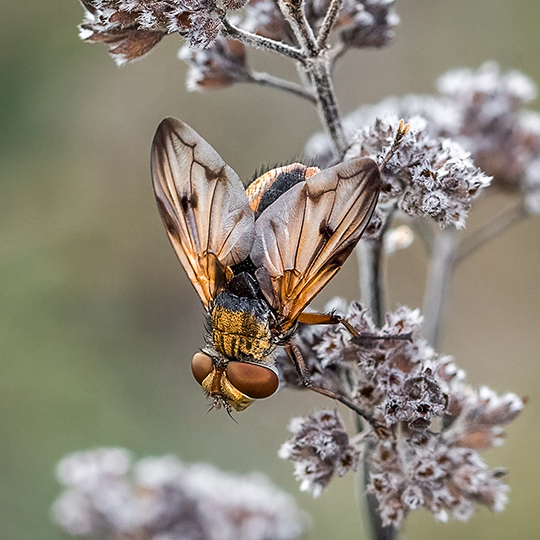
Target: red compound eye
[
  {"x": 201, "y": 366},
  {"x": 252, "y": 380}
]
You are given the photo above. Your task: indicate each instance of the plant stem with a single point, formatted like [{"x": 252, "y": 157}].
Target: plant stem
[
  {"x": 370, "y": 251},
  {"x": 424, "y": 231},
  {"x": 328, "y": 23},
  {"x": 370, "y": 259},
  {"x": 260, "y": 42},
  {"x": 438, "y": 283},
  {"x": 319, "y": 74},
  {"x": 317, "y": 66},
  {"x": 313, "y": 60},
  {"x": 446, "y": 254},
  {"x": 265, "y": 79},
  {"x": 371, "y": 507}
]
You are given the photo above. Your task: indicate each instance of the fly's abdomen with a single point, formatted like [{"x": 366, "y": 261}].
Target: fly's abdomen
[{"x": 240, "y": 327}]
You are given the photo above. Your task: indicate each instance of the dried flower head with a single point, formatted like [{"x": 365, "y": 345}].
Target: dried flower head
[
  {"x": 132, "y": 28},
  {"x": 368, "y": 23},
  {"x": 168, "y": 500},
  {"x": 128, "y": 33},
  {"x": 422, "y": 470},
  {"x": 402, "y": 384},
  {"x": 427, "y": 176},
  {"x": 263, "y": 17},
  {"x": 482, "y": 111},
  {"x": 218, "y": 66},
  {"x": 320, "y": 447},
  {"x": 360, "y": 23}
]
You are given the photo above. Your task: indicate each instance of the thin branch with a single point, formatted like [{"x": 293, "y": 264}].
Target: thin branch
[
  {"x": 328, "y": 23},
  {"x": 265, "y": 79},
  {"x": 370, "y": 251},
  {"x": 487, "y": 232},
  {"x": 438, "y": 283},
  {"x": 260, "y": 42},
  {"x": 294, "y": 13},
  {"x": 381, "y": 430},
  {"x": 319, "y": 74}
]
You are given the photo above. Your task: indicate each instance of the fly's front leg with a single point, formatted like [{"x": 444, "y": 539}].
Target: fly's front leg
[
  {"x": 297, "y": 359},
  {"x": 332, "y": 318},
  {"x": 295, "y": 355},
  {"x": 326, "y": 318}
]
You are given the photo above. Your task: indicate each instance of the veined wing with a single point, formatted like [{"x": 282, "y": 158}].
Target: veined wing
[
  {"x": 203, "y": 205},
  {"x": 305, "y": 236}
]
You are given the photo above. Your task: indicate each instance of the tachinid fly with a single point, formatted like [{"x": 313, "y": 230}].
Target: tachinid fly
[{"x": 256, "y": 256}]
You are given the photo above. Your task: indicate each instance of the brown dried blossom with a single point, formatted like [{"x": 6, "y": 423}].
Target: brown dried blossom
[
  {"x": 360, "y": 23},
  {"x": 116, "y": 24},
  {"x": 369, "y": 23},
  {"x": 404, "y": 384},
  {"x": 132, "y": 28},
  {"x": 217, "y": 66}
]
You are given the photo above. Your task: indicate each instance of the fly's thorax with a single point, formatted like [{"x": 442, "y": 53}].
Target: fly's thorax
[{"x": 241, "y": 327}]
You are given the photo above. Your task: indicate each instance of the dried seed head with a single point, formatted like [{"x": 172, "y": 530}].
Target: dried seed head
[
  {"x": 403, "y": 384},
  {"x": 217, "y": 66},
  {"x": 320, "y": 447}
]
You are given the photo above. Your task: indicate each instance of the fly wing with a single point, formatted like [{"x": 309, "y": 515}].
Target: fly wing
[
  {"x": 203, "y": 206},
  {"x": 304, "y": 237}
]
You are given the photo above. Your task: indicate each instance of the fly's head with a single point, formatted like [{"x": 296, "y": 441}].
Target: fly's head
[{"x": 233, "y": 384}]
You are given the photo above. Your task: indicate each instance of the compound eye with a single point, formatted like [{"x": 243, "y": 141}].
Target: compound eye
[
  {"x": 201, "y": 366},
  {"x": 252, "y": 380}
]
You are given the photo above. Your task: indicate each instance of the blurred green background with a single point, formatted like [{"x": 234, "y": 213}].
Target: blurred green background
[{"x": 98, "y": 322}]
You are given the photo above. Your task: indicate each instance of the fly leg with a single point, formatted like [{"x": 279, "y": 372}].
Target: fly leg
[
  {"x": 326, "y": 318},
  {"x": 332, "y": 318},
  {"x": 297, "y": 359}
]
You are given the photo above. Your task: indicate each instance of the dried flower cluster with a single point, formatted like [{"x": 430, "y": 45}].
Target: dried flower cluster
[
  {"x": 320, "y": 448},
  {"x": 222, "y": 64},
  {"x": 360, "y": 23},
  {"x": 478, "y": 118},
  {"x": 403, "y": 385},
  {"x": 132, "y": 28},
  {"x": 427, "y": 176},
  {"x": 167, "y": 500}
]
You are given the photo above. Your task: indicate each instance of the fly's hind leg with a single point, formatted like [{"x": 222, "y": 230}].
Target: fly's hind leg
[{"x": 295, "y": 355}]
